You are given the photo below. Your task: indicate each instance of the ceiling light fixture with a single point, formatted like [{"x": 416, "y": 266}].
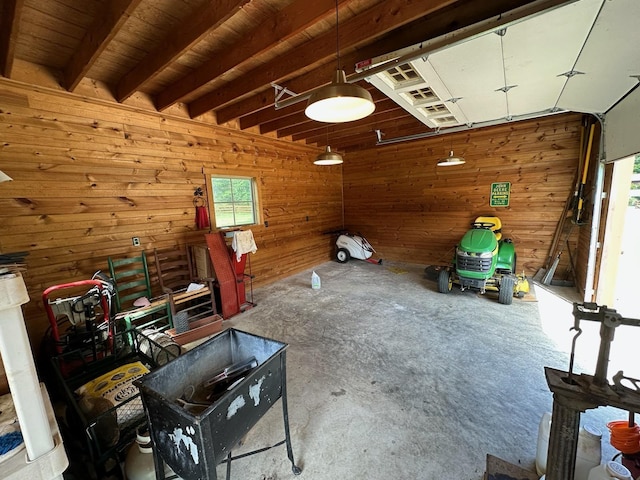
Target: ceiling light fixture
[
  {"x": 339, "y": 101},
  {"x": 328, "y": 158},
  {"x": 4, "y": 177},
  {"x": 451, "y": 160}
]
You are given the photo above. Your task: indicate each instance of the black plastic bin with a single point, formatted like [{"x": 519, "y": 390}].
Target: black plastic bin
[{"x": 193, "y": 442}]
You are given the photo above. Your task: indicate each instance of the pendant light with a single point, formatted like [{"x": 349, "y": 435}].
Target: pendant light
[
  {"x": 328, "y": 157},
  {"x": 339, "y": 101},
  {"x": 451, "y": 160}
]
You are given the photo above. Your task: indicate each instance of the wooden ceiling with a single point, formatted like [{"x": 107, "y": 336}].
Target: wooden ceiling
[{"x": 223, "y": 56}]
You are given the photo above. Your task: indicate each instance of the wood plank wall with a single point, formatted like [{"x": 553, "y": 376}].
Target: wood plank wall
[
  {"x": 89, "y": 175},
  {"x": 411, "y": 210}
]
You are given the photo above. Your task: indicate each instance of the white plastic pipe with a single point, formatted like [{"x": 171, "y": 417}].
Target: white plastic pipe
[{"x": 20, "y": 368}]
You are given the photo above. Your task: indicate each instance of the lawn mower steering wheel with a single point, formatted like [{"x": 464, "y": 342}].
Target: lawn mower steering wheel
[{"x": 486, "y": 225}]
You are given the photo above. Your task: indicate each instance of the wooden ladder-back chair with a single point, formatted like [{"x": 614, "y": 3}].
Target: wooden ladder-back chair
[
  {"x": 174, "y": 268},
  {"x": 176, "y": 273},
  {"x": 131, "y": 276}
]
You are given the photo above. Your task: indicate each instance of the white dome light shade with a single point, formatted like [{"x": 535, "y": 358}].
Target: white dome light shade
[
  {"x": 339, "y": 102},
  {"x": 328, "y": 158}
]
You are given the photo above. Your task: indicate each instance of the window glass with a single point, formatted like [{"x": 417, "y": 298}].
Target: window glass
[{"x": 234, "y": 201}]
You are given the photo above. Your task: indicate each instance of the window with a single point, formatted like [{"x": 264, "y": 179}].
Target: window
[
  {"x": 422, "y": 95},
  {"x": 403, "y": 73},
  {"x": 435, "y": 109},
  {"x": 234, "y": 201}
]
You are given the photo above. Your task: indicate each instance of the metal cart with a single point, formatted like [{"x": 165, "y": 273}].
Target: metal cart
[
  {"x": 194, "y": 426},
  {"x": 106, "y": 432}
]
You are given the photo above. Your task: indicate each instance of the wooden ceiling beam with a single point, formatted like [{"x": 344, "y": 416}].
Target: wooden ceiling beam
[
  {"x": 288, "y": 121},
  {"x": 308, "y": 126},
  {"x": 410, "y": 126},
  {"x": 266, "y": 115},
  {"x": 373, "y": 23},
  {"x": 209, "y": 17},
  {"x": 10, "y": 12},
  {"x": 260, "y": 101},
  {"x": 104, "y": 28},
  {"x": 383, "y": 120},
  {"x": 289, "y": 22},
  {"x": 319, "y": 138}
]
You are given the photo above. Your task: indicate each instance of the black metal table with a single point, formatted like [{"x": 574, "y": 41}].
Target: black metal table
[{"x": 192, "y": 435}]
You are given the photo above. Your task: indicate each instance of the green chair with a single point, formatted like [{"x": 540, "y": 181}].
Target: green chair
[{"x": 131, "y": 276}]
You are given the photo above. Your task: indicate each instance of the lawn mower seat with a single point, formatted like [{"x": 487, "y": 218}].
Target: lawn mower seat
[{"x": 497, "y": 225}]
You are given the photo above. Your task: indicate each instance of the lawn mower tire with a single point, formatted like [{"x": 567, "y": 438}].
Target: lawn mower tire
[
  {"x": 505, "y": 294},
  {"x": 445, "y": 281},
  {"x": 343, "y": 255}
]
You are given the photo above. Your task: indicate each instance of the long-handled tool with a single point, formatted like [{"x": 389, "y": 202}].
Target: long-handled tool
[
  {"x": 543, "y": 274},
  {"x": 578, "y": 206},
  {"x": 585, "y": 170},
  {"x": 546, "y": 280}
]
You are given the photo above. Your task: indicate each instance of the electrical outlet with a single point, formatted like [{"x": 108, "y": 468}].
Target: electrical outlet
[{"x": 135, "y": 241}]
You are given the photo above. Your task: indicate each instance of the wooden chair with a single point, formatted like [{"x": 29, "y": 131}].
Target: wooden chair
[
  {"x": 174, "y": 269},
  {"x": 131, "y": 276},
  {"x": 176, "y": 273}
]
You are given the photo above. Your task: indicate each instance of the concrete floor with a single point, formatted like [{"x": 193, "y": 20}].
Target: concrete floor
[{"x": 389, "y": 379}]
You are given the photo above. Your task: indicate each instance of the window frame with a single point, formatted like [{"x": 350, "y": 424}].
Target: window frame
[{"x": 255, "y": 200}]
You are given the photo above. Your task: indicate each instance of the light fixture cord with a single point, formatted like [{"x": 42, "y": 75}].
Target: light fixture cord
[{"x": 337, "y": 38}]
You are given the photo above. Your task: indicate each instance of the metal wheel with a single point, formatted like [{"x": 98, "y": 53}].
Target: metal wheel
[
  {"x": 445, "y": 282},
  {"x": 343, "y": 255},
  {"x": 505, "y": 294}
]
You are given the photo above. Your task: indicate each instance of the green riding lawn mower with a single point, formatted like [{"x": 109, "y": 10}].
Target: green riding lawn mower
[{"x": 485, "y": 261}]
